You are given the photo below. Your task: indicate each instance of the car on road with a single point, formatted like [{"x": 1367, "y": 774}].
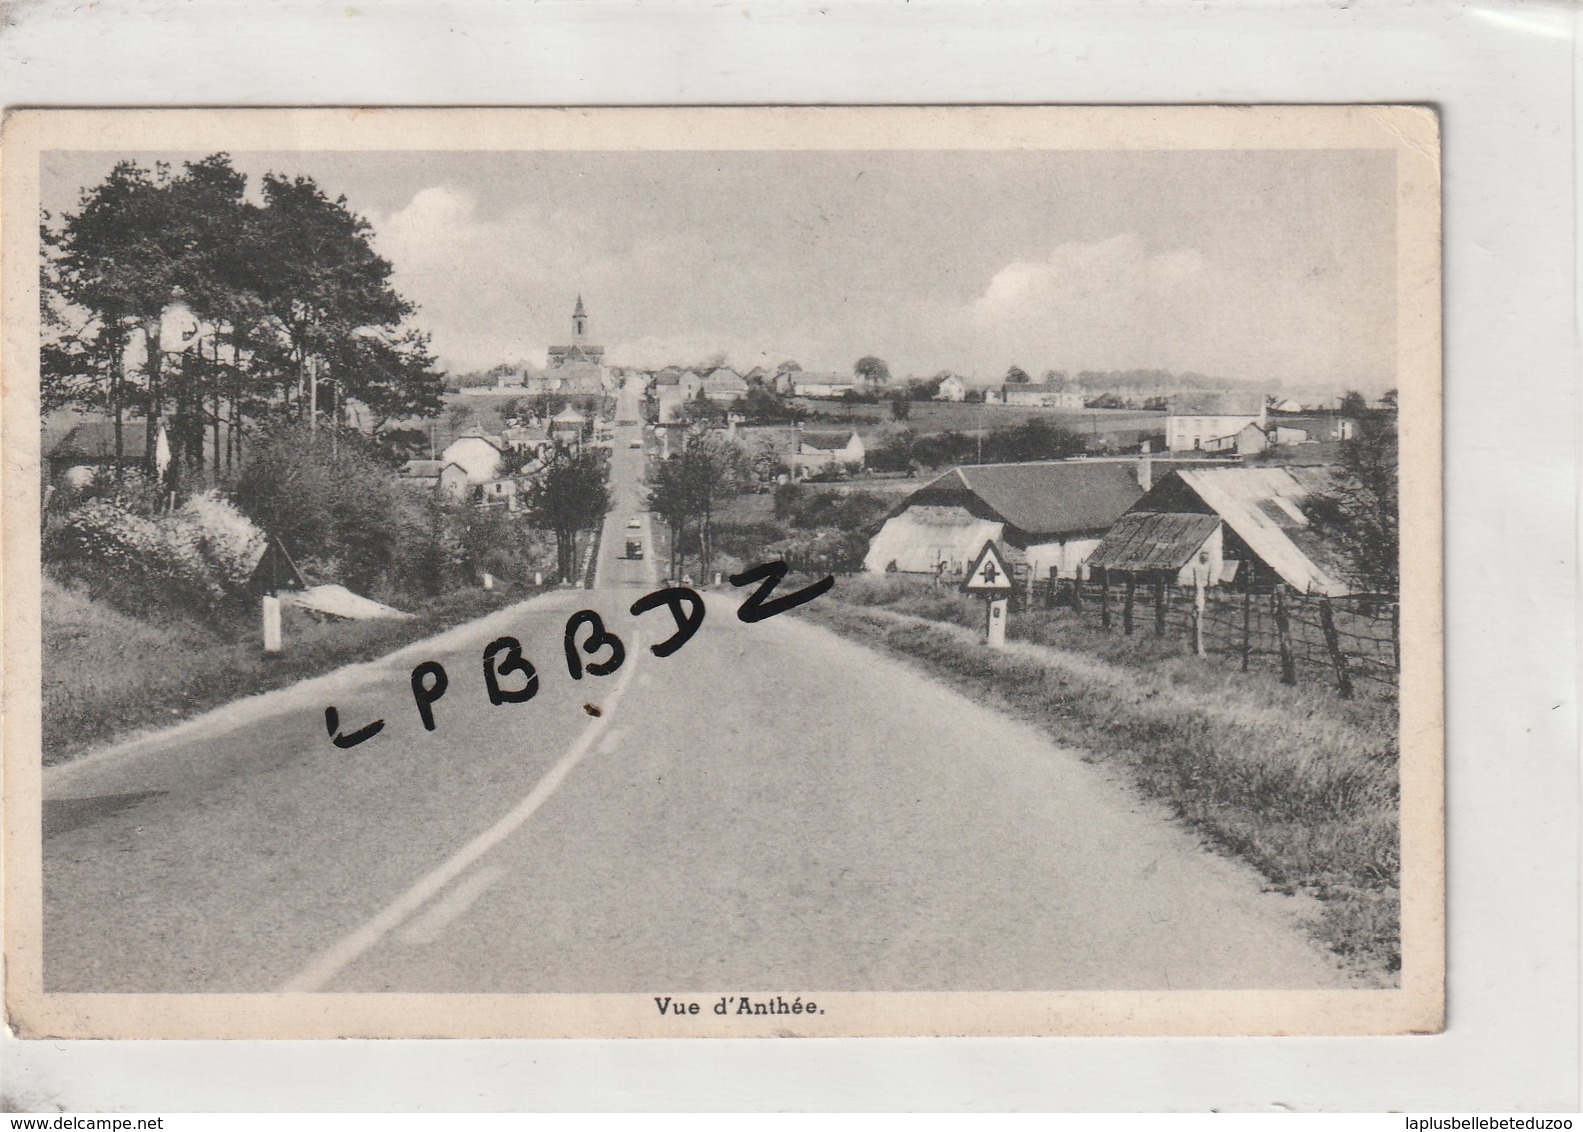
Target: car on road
[
  {"x": 634, "y": 548},
  {"x": 634, "y": 523},
  {"x": 638, "y": 443}
]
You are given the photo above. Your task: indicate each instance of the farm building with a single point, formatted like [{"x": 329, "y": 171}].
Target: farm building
[
  {"x": 818, "y": 451},
  {"x": 1210, "y": 421},
  {"x": 1245, "y": 524},
  {"x": 822, "y": 384},
  {"x": 1040, "y": 395},
  {"x": 1047, "y": 516}
]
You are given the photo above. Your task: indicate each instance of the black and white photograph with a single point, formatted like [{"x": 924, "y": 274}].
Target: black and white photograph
[{"x": 723, "y": 573}]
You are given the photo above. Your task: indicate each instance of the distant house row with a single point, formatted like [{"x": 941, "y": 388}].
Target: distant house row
[
  {"x": 473, "y": 466},
  {"x": 1239, "y": 424},
  {"x": 1066, "y": 519}
]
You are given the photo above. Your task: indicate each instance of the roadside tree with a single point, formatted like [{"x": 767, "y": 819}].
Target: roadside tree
[{"x": 569, "y": 496}]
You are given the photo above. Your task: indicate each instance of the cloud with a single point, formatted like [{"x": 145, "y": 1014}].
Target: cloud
[{"x": 1112, "y": 303}]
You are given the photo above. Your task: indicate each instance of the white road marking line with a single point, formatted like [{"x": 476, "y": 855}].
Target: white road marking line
[
  {"x": 339, "y": 956},
  {"x": 446, "y": 910},
  {"x": 610, "y": 740}
]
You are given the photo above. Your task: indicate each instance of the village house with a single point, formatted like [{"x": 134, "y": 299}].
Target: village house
[
  {"x": 1037, "y": 395},
  {"x": 673, "y": 388},
  {"x": 1210, "y": 422},
  {"x": 821, "y": 451},
  {"x": 1045, "y": 517},
  {"x": 822, "y": 384},
  {"x": 1238, "y": 525},
  {"x": 724, "y": 384},
  {"x": 478, "y": 454},
  {"x": 447, "y": 477},
  {"x": 952, "y": 388}
]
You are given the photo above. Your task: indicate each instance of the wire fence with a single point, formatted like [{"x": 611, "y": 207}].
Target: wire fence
[{"x": 1346, "y": 641}]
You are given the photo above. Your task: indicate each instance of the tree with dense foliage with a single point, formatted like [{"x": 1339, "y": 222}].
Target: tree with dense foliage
[
  {"x": 1353, "y": 404},
  {"x": 900, "y": 407},
  {"x": 1016, "y": 375},
  {"x": 569, "y": 496},
  {"x": 1361, "y": 512},
  {"x": 871, "y": 370},
  {"x": 686, "y": 491},
  {"x": 174, "y": 298}
]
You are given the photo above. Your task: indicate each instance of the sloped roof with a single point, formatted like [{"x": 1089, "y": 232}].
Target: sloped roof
[
  {"x": 827, "y": 441},
  {"x": 422, "y": 468},
  {"x": 96, "y": 440},
  {"x": 1263, "y": 505},
  {"x": 568, "y": 415},
  {"x": 478, "y": 434},
  {"x": 1216, "y": 404},
  {"x": 724, "y": 377},
  {"x": 1147, "y": 540},
  {"x": 1053, "y": 497}
]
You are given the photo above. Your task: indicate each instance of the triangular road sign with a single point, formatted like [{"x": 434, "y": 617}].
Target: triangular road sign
[{"x": 989, "y": 574}]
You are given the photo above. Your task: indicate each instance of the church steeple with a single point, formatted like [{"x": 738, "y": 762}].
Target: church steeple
[{"x": 579, "y": 322}]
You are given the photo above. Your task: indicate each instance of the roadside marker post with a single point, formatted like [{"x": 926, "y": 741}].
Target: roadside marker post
[{"x": 990, "y": 578}]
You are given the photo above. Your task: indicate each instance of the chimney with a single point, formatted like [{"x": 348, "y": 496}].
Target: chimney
[{"x": 1145, "y": 473}]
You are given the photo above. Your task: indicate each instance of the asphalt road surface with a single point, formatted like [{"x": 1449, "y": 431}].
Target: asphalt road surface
[{"x": 771, "y": 807}]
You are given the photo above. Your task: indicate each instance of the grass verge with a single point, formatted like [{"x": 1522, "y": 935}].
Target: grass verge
[
  {"x": 105, "y": 674},
  {"x": 1298, "y": 783}
]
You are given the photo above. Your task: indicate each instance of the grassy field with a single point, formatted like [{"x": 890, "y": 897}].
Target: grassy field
[
  {"x": 949, "y": 416},
  {"x": 1300, "y": 784},
  {"x": 106, "y": 673}
]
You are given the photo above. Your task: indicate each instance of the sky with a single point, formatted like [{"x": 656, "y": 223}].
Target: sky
[{"x": 1271, "y": 266}]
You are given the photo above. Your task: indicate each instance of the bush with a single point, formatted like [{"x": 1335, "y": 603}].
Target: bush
[
  {"x": 136, "y": 563},
  {"x": 344, "y": 509}
]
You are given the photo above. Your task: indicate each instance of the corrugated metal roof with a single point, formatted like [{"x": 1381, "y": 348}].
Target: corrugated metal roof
[
  {"x": 1051, "y": 497},
  {"x": 1147, "y": 540},
  {"x": 1264, "y": 507}
]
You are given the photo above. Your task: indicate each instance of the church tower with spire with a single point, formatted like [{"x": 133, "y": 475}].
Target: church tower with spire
[{"x": 579, "y": 367}]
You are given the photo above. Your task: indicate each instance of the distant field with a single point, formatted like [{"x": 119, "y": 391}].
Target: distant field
[{"x": 948, "y": 416}]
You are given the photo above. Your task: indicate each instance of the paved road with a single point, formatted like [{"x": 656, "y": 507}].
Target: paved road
[{"x": 770, "y": 807}]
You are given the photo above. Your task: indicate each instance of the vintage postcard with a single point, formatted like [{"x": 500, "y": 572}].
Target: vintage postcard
[{"x": 722, "y": 572}]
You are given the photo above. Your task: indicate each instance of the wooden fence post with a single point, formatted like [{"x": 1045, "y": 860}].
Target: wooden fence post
[
  {"x": 1126, "y": 607},
  {"x": 1247, "y": 621},
  {"x": 1077, "y": 591},
  {"x": 1327, "y": 619},
  {"x": 1104, "y": 597},
  {"x": 1198, "y": 611},
  {"x": 1159, "y": 604},
  {"x": 1283, "y": 630}
]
